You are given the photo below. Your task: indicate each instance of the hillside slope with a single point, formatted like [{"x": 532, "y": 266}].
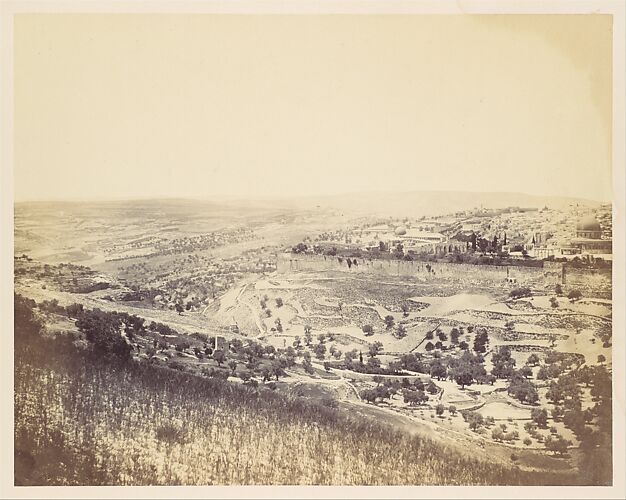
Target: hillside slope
[{"x": 81, "y": 420}]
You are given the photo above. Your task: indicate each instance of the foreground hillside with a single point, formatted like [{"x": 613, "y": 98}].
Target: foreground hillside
[{"x": 81, "y": 419}]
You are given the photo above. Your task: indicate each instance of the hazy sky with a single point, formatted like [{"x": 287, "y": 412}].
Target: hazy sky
[{"x": 199, "y": 105}]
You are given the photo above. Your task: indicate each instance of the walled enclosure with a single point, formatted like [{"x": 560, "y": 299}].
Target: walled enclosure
[{"x": 550, "y": 274}]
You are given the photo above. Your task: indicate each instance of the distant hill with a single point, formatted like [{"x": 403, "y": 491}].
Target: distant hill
[
  {"x": 400, "y": 204},
  {"x": 429, "y": 203}
]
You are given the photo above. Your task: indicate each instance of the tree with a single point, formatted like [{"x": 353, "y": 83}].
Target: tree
[
  {"x": 454, "y": 335},
  {"x": 307, "y": 337},
  {"x": 389, "y": 321},
  {"x": 432, "y": 388},
  {"x": 480, "y": 341},
  {"x": 414, "y": 397},
  {"x": 350, "y": 356},
  {"x": 555, "y": 393},
  {"x": 102, "y": 329},
  {"x": 297, "y": 343},
  {"x": 306, "y": 363},
  {"x": 429, "y": 346},
  {"x": 522, "y": 389},
  {"x": 540, "y": 417},
  {"x": 245, "y": 376},
  {"x": 557, "y": 444},
  {"x": 320, "y": 351},
  {"x": 368, "y": 395},
  {"x": 497, "y": 434},
  {"x": 553, "y": 302},
  {"x": 558, "y": 289},
  {"x": 179, "y": 308},
  {"x": 520, "y": 292},
  {"x": 219, "y": 356},
  {"x": 375, "y": 349},
  {"x": 574, "y": 295},
  {"x": 290, "y": 356},
  {"x": 233, "y": 366},
  {"x": 463, "y": 345},
  {"x": 74, "y": 310},
  {"x": 405, "y": 310},
  {"x": 400, "y": 331},
  {"x": 438, "y": 370},
  {"x": 475, "y": 420},
  {"x": 279, "y": 325},
  {"x": 279, "y": 302},
  {"x": 439, "y": 409},
  {"x": 368, "y": 330},
  {"x": 27, "y": 325},
  {"x": 557, "y": 413},
  {"x": 533, "y": 359},
  {"x": 526, "y": 371},
  {"x": 452, "y": 410},
  {"x": 463, "y": 378},
  {"x": 511, "y": 436},
  {"x": 399, "y": 251},
  {"x": 503, "y": 363},
  {"x": 601, "y": 358},
  {"x": 327, "y": 366},
  {"x": 488, "y": 378},
  {"x": 373, "y": 364},
  {"x": 299, "y": 248},
  {"x": 277, "y": 369}
]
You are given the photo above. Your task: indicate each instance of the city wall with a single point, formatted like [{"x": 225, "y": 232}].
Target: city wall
[{"x": 550, "y": 274}]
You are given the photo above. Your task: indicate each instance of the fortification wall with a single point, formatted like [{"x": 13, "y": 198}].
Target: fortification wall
[{"x": 550, "y": 273}]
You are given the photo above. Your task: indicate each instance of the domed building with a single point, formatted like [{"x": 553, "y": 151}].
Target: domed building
[
  {"x": 588, "y": 227},
  {"x": 400, "y": 231},
  {"x": 589, "y": 238}
]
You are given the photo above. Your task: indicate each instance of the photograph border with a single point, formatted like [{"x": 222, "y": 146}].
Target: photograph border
[{"x": 310, "y": 7}]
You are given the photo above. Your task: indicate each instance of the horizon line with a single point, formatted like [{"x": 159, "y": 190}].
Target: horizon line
[{"x": 261, "y": 198}]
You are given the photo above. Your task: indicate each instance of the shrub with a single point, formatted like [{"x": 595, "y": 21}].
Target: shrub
[
  {"x": 520, "y": 292},
  {"x": 574, "y": 295},
  {"x": 171, "y": 434}
]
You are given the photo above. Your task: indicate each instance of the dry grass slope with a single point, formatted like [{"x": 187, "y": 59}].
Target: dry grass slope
[{"x": 82, "y": 421}]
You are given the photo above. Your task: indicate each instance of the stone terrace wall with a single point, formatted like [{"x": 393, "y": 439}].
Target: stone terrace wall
[{"x": 550, "y": 274}]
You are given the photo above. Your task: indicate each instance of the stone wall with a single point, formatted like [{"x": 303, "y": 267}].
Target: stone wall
[{"x": 550, "y": 273}]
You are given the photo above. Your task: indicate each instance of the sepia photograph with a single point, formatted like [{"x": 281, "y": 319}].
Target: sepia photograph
[{"x": 339, "y": 244}]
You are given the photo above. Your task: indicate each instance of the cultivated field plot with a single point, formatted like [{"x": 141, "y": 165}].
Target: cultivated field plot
[{"x": 331, "y": 309}]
